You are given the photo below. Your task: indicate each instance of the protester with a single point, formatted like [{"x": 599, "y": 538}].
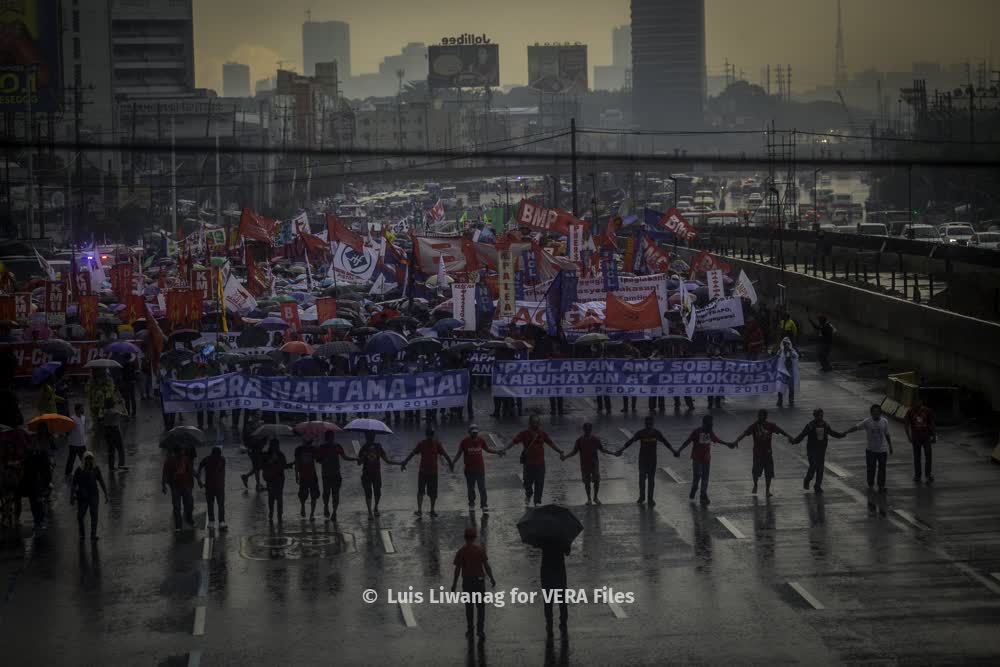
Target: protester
[
  {"x": 921, "y": 430},
  {"x": 129, "y": 379},
  {"x": 178, "y": 474},
  {"x": 214, "y": 467},
  {"x": 76, "y": 441},
  {"x": 111, "y": 428},
  {"x": 553, "y": 578},
  {"x": 701, "y": 440},
  {"x": 533, "y": 443},
  {"x": 48, "y": 400},
  {"x": 788, "y": 372},
  {"x": 878, "y": 446},
  {"x": 369, "y": 458},
  {"x": 329, "y": 457},
  {"x": 787, "y": 328},
  {"x": 429, "y": 450},
  {"x": 37, "y": 480},
  {"x": 471, "y": 449},
  {"x": 273, "y": 465},
  {"x": 473, "y": 566},
  {"x": 817, "y": 433},
  {"x": 826, "y": 331},
  {"x": 305, "y": 456},
  {"x": 647, "y": 437},
  {"x": 763, "y": 455},
  {"x": 253, "y": 445},
  {"x": 587, "y": 446},
  {"x": 84, "y": 492}
]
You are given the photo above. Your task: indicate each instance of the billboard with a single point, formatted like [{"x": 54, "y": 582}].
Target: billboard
[
  {"x": 30, "y": 56},
  {"x": 463, "y": 66},
  {"x": 558, "y": 68}
]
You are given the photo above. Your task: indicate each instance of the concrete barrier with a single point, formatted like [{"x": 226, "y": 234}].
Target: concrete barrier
[{"x": 900, "y": 390}]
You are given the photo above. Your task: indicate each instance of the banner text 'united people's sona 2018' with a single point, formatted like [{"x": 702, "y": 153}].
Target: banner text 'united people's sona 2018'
[
  {"x": 640, "y": 377},
  {"x": 330, "y": 395}
]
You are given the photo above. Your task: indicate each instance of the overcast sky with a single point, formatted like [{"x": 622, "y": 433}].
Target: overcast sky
[{"x": 886, "y": 34}]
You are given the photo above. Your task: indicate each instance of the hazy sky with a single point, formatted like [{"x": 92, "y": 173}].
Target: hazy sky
[{"x": 887, "y": 34}]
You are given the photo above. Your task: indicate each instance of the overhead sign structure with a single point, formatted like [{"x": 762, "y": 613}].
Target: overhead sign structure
[
  {"x": 558, "y": 68},
  {"x": 463, "y": 65}
]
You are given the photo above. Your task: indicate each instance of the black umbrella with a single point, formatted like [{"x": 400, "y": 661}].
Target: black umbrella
[
  {"x": 253, "y": 337},
  {"x": 335, "y": 348},
  {"x": 463, "y": 347},
  {"x": 176, "y": 358},
  {"x": 183, "y": 336},
  {"x": 364, "y": 331},
  {"x": 402, "y": 321},
  {"x": 423, "y": 344},
  {"x": 314, "y": 330},
  {"x": 549, "y": 524},
  {"x": 183, "y": 436}
]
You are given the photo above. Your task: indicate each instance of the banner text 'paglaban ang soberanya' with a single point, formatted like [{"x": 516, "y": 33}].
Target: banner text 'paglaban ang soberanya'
[{"x": 446, "y": 389}]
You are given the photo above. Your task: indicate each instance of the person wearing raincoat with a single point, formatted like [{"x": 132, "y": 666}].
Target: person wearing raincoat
[
  {"x": 99, "y": 390},
  {"x": 788, "y": 372}
]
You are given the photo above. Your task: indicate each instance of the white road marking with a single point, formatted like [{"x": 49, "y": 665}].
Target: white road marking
[
  {"x": 737, "y": 533},
  {"x": 387, "y": 544},
  {"x": 407, "y": 611},
  {"x": 837, "y": 470},
  {"x": 995, "y": 575},
  {"x": 912, "y": 520},
  {"x": 206, "y": 548},
  {"x": 671, "y": 474},
  {"x": 496, "y": 441},
  {"x": 356, "y": 445},
  {"x": 627, "y": 433},
  {"x": 202, "y": 583},
  {"x": 806, "y": 595},
  {"x": 617, "y": 610},
  {"x": 199, "y": 621},
  {"x": 194, "y": 659}
]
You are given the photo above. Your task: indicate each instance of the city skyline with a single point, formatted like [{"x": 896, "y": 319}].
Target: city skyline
[{"x": 749, "y": 36}]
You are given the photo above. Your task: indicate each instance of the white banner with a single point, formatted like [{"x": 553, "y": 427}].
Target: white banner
[
  {"x": 238, "y": 299},
  {"x": 716, "y": 289},
  {"x": 720, "y": 314},
  {"x": 505, "y": 283},
  {"x": 575, "y": 244},
  {"x": 352, "y": 267},
  {"x": 463, "y": 303},
  {"x": 744, "y": 288}
]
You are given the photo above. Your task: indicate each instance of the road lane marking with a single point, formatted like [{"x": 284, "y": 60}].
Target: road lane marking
[
  {"x": 806, "y": 595},
  {"x": 912, "y": 520},
  {"x": 617, "y": 610},
  {"x": 496, "y": 441},
  {"x": 194, "y": 659},
  {"x": 387, "y": 544},
  {"x": 202, "y": 583},
  {"x": 199, "y": 621},
  {"x": 837, "y": 470},
  {"x": 671, "y": 474},
  {"x": 627, "y": 433},
  {"x": 736, "y": 532},
  {"x": 996, "y": 575},
  {"x": 357, "y": 447},
  {"x": 206, "y": 548},
  {"x": 407, "y": 611}
]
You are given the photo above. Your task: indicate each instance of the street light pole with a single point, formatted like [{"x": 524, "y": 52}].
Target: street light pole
[
  {"x": 815, "y": 195},
  {"x": 173, "y": 180}
]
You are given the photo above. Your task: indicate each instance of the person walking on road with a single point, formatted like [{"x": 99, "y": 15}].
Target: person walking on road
[
  {"x": 826, "y": 331},
  {"x": 370, "y": 457},
  {"x": 429, "y": 450},
  {"x": 471, "y": 449},
  {"x": 214, "y": 467},
  {"x": 533, "y": 442},
  {"x": 76, "y": 441},
  {"x": 473, "y": 566},
  {"x": 763, "y": 455},
  {"x": 587, "y": 446},
  {"x": 84, "y": 492},
  {"x": 254, "y": 446},
  {"x": 647, "y": 437},
  {"x": 273, "y": 465},
  {"x": 553, "y": 580},
  {"x": 178, "y": 474},
  {"x": 305, "y": 456},
  {"x": 111, "y": 425},
  {"x": 817, "y": 434},
  {"x": 330, "y": 454},
  {"x": 878, "y": 446},
  {"x": 922, "y": 433},
  {"x": 701, "y": 440}
]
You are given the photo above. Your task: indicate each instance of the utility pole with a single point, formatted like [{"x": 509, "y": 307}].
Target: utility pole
[
  {"x": 173, "y": 179},
  {"x": 572, "y": 151},
  {"x": 218, "y": 184},
  {"x": 29, "y": 213}
]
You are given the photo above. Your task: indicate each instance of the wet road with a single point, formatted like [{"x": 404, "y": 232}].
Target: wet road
[{"x": 827, "y": 579}]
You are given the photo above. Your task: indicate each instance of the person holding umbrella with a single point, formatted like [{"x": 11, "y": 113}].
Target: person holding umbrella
[
  {"x": 587, "y": 446},
  {"x": 473, "y": 565},
  {"x": 702, "y": 439},
  {"x": 330, "y": 455},
  {"x": 647, "y": 438},
  {"x": 427, "y": 479},
  {"x": 472, "y": 448},
  {"x": 178, "y": 474},
  {"x": 551, "y": 529},
  {"x": 369, "y": 457},
  {"x": 763, "y": 455},
  {"x": 86, "y": 481},
  {"x": 214, "y": 466},
  {"x": 533, "y": 442},
  {"x": 274, "y": 465}
]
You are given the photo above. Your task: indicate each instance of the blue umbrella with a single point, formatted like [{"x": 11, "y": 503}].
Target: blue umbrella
[
  {"x": 44, "y": 372},
  {"x": 273, "y": 324},
  {"x": 386, "y": 342},
  {"x": 447, "y": 324},
  {"x": 123, "y": 347}
]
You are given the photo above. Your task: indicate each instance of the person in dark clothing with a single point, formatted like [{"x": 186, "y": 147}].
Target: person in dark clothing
[
  {"x": 178, "y": 474},
  {"x": 273, "y": 465},
  {"x": 214, "y": 466},
  {"x": 763, "y": 455},
  {"x": 922, "y": 431},
  {"x": 305, "y": 456},
  {"x": 84, "y": 492},
  {"x": 254, "y": 445},
  {"x": 35, "y": 484},
  {"x": 588, "y": 446},
  {"x": 369, "y": 458},
  {"x": 111, "y": 423},
  {"x": 817, "y": 434},
  {"x": 472, "y": 564},
  {"x": 330, "y": 454},
  {"x": 648, "y": 437},
  {"x": 126, "y": 386},
  {"x": 553, "y": 578},
  {"x": 826, "y": 331}
]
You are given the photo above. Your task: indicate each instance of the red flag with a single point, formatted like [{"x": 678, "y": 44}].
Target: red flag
[
  {"x": 176, "y": 307},
  {"x": 314, "y": 244},
  {"x": 22, "y": 306},
  {"x": 88, "y": 313},
  {"x": 705, "y": 262},
  {"x": 326, "y": 308},
  {"x": 55, "y": 297},
  {"x": 547, "y": 219},
  {"x": 674, "y": 222},
  {"x": 607, "y": 240},
  {"x": 437, "y": 211},
  {"x": 290, "y": 314},
  {"x": 136, "y": 305},
  {"x": 256, "y": 227},
  {"x": 8, "y": 309},
  {"x": 632, "y": 317},
  {"x": 336, "y": 231}
]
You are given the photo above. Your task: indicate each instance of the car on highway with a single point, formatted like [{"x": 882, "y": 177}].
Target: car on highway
[
  {"x": 872, "y": 229},
  {"x": 915, "y": 232},
  {"x": 755, "y": 198},
  {"x": 956, "y": 232},
  {"x": 986, "y": 240}
]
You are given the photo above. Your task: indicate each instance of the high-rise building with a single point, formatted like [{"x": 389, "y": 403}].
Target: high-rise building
[
  {"x": 152, "y": 47},
  {"x": 235, "y": 80},
  {"x": 668, "y": 63},
  {"x": 326, "y": 41},
  {"x": 621, "y": 46},
  {"x": 87, "y": 65}
]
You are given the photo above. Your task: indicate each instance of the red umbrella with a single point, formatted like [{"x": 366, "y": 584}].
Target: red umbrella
[
  {"x": 297, "y": 347},
  {"x": 316, "y": 428}
]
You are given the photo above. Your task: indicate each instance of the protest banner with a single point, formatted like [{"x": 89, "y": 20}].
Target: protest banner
[
  {"x": 674, "y": 222},
  {"x": 30, "y": 356},
  {"x": 575, "y": 242},
  {"x": 704, "y": 262},
  {"x": 716, "y": 288},
  {"x": 254, "y": 227},
  {"x": 609, "y": 271},
  {"x": 505, "y": 282},
  {"x": 326, "y": 308},
  {"x": 337, "y": 395},
  {"x": 463, "y": 303},
  {"x": 22, "y": 307},
  {"x": 290, "y": 314},
  {"x": 202, "y": 283},
  {"x": 351, "y": 267},
  {"x": 744, "y": 288},
  {"x": 720, "y": 314},
  {"x": 55, "y": 302},
  {"x": 640, "y": 377},
  {"x": 8, "y": 309},
  {"x": 238, "y": 299},
  {"x": 546, "y": 219},
  {"x": 87, "y": 311}
]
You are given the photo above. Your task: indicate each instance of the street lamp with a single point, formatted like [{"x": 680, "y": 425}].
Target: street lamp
[{"x": 816, "y": 173}]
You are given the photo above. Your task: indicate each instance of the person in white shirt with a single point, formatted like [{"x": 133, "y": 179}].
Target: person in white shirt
[
  {"x": 77, "y": 439},
  {"x": 878, "y": 446}
]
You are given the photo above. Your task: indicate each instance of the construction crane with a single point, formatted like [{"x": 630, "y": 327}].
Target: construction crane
[{"x": 847, "y": 110}]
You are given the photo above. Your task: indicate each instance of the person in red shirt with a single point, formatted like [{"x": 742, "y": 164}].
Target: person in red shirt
[
  {"x": 648, "y": 438},
  {"x": 533, "y": 442},
  {"x": 763, "y": 457},
  {"x": 305, "y": 456},
  {"x": 178, "y": 474},
  {"x": 588, "y": 446},
  {"x": 369, "y": 458},
  {"x": 922, "y": 432},
  {"x": 701, "y": 440},
  {"x": 214, "y": 467},
  {"x": 472, "y": 564},
  {"x": 472, "y": 448},
  {"x": 427, "y": 478}
]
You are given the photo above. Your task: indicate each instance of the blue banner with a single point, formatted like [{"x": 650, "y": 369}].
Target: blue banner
[
  {"x": 484, "y": 302},
  {"x": 569, "y": 284},
  {"x": 609, "y": 270},
  {"x": 638, "y": 377},
  {"x": 530, "y": 265},
  {"x": 553, "y": 304},
  {"x": 371, "y": 393},
  {"x": 518, "y": 286}
]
